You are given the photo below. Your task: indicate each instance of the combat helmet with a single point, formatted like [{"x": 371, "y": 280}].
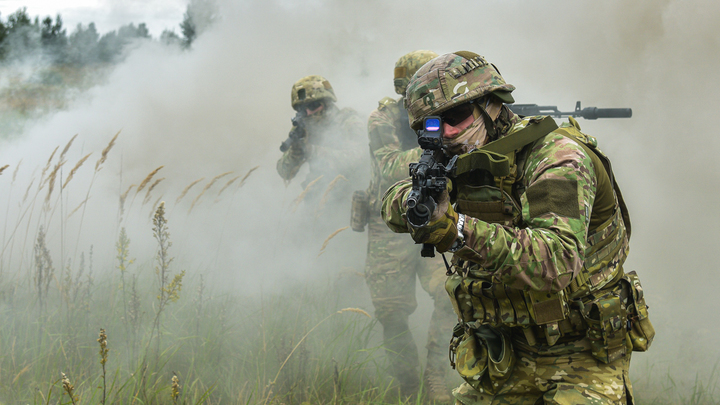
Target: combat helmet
[
  {"x": 406, "y": 67},
  {"x": 450, "y": 80},
  {"x": 309, "y": 89}
]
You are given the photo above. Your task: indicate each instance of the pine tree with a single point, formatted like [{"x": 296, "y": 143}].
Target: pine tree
[{"x": 198, "y": 17}]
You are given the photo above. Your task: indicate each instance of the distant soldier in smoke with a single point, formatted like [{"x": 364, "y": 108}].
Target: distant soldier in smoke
[
  {"x": 539, "y": 233},
  {"x": 393, "y": 262},
  {"x": 325, "y": 137}
]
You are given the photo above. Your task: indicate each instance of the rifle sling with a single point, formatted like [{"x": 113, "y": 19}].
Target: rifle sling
[{"x": 492, "y": 157}]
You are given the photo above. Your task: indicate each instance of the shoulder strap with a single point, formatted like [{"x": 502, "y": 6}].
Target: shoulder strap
[
  {"x": 531, "y": 133},
  {"x": 492, "y": 157}
]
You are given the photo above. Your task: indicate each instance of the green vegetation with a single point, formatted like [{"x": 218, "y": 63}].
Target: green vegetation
[
  {"x": 43, "y": 66},
  {"x": 149, "y": 331}
]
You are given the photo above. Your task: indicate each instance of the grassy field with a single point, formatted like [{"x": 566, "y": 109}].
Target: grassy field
[
  {"x": 139, "y": 327},
  {"x": 83, "y": 327}
]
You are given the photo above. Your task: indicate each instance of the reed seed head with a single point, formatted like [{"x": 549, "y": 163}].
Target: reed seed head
[
  {"x": 68, "y": 387},
  {"x": 175, "y": 388},
  {"x": 103, "y": 347}
]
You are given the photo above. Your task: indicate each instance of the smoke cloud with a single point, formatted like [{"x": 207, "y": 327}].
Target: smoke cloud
[{"x": 225, "y": 106}]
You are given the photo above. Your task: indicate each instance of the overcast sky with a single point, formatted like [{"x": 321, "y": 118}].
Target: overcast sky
[{"x": 107, "y": 15}]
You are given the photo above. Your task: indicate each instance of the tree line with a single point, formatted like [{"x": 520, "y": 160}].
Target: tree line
[{"x": 22, "y": 36}]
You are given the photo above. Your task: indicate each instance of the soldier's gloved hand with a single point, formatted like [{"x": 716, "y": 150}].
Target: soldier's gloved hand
[
  {"x": 441, "y": 230},
  {"x": 298, "y": 151}
]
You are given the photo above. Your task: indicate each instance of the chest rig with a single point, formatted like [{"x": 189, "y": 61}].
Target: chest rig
[{"x": 488, "y": 184}]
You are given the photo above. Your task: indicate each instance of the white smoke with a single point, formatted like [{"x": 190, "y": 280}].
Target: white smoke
[{"x": 225, "y": 106}]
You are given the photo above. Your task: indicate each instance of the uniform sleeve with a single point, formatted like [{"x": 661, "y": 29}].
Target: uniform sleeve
[
  {"x": 393, "y": 206},
  {"x": 385, "y": 148},
  {"x": 289, "y": 164},
  {"x": 549, "y": 252}
]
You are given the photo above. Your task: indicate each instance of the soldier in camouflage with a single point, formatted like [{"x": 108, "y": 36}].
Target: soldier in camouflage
[
  {"x": 332, "y": 136},
  {"x": 539, "y": 233},
  {"x": 393, "y": 263}
]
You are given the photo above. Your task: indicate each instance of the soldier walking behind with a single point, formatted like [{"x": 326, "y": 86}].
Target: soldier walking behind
[{"x": 539, "y": 233}]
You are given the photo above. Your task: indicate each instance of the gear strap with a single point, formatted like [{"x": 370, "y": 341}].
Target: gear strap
[{"x": 492, "y": 157}]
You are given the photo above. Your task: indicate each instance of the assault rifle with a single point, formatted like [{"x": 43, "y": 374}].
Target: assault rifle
[
  {"x": 297, "y": 133},
  {"x": 589, "y": 113},
  {"x": 429, "y": 178}
]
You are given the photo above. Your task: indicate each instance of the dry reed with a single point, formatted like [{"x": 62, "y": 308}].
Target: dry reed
[
  {"x": 103, "y": 155},
  {"x": 66, "y": 149},
  {"x": 185, "y": 191},
  {"x": 150, "y": 189},
  {"x": 147, "y": 180},
  {"x": 77, "y": 208},
  {"x": 207, "y": 186},
  {"x": 124, "y": 195},
  {"x": 302, "y": 195},
  {"x": 231, "y": 181},
  {"x": 356, "y": 310},
  {"x": 27, "y": 191},
  {"x": 15, "y": 172},
  {"x": 247, "y": 175},
  {"x": 75, "y": 169},
  {"x": 51, "y": 180},
  {"x": 45, "y": 169},
  {"x": 272, "y": 382},
  {"x": 2, "y": 169},
  {"x": 329, "y": 188},
  {"x": 332, "y": 235}
]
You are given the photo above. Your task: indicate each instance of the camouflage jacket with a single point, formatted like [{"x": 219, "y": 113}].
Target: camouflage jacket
[
  {"x": 392, "y": 149},
  {"x": 545, "y": 249},
  {"x": 331, "y": 146}
]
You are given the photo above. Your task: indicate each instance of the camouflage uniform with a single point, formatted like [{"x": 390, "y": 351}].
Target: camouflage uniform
[
  {"x": 332, "y": 142},
  {"x": 547, "y": 314},
  {"x": 393, "y": 262}
]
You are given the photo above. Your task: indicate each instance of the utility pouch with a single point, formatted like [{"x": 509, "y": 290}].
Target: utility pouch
[
  {"x": 640, "y": 329},
  {"x": 470, "y": 358},
  {"x": 360, "y": 211},
  {"x": 501, "y": 357},
  {"x": 606, "y": 317},
  {"x": 483, "y": 357}
]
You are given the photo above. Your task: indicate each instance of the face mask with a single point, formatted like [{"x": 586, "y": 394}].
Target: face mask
[{"x": 475, "y": 135}]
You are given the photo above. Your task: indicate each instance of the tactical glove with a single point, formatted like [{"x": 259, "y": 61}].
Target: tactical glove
[
  {"x": 298, "y": 151},
  {"x": 441, "y": 230}
]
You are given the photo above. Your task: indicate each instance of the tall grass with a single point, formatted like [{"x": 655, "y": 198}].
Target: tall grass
[
  {"x": 166, "y": 336},
  {"x": 292, "y": 346}
]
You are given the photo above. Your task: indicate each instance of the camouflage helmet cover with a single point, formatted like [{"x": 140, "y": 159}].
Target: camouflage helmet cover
[
  {"x": 406, "y": 67},
  {"x": 450, "y": 80},
  {"x": 309, "y": 89}
]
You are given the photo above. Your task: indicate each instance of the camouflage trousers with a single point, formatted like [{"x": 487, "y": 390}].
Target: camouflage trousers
[
  {"x": 563, "y": 374},
  {"x": 392, "y": 267}
]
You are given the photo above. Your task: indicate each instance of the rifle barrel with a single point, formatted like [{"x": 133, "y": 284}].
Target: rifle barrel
[
  {"x": 589, "y": 113},
  {"x": 592, "y": 113}
]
